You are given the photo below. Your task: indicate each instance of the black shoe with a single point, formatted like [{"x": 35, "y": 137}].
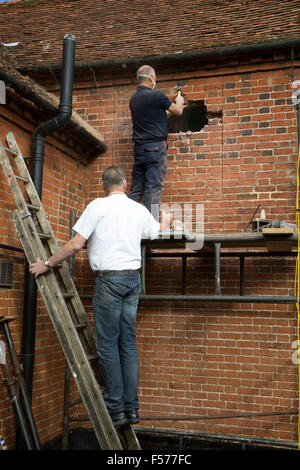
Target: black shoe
[
  {"x": 132, "y": 416},
  {"x": 119, "y": 419}
]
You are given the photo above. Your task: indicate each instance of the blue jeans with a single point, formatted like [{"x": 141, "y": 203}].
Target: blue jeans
[
  {"x": 115, "y": 304},
  {"x": 148, "y": 174}
]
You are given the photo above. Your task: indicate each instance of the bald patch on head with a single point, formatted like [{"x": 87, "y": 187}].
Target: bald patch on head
[{"x": 144, "y": 72}]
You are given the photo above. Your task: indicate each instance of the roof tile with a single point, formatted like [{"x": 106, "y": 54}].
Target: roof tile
[{"x": 120, "y": 29}]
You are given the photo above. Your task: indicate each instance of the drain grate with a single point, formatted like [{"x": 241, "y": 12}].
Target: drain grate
[{"x": 6, "y": 273}]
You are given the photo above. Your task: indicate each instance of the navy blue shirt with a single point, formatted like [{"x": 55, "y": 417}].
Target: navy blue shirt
[{"x": 148, "y": 111}]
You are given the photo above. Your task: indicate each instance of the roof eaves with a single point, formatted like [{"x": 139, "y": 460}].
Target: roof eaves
[
  {"x": 28, "y": 89},
  {"x": 213, "y": 52}
]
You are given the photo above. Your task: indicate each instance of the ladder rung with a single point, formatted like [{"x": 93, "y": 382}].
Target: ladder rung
[
  {"x": 10, "y": 151},
  {"x": 44, "y": 235},
  {"x": 90, "y": 357},
  {"x": 68, "y": 295},
  {"x": 80, "y": 326},
  {"x": 73, "y": 420},
  {"x": 21, "y": 178},
  {"x": 32, "y": 206},
  {"x": 75, "y": 402},
  {"x": 14, "y": 153}
]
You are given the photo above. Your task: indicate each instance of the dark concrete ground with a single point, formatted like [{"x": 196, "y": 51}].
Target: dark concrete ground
[{"x": 85, "y": 439}]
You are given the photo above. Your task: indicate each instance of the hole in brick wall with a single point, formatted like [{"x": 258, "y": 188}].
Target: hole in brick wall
[
  {"x": 214, "y": 114},
  {"x": 193, "y": 118}
]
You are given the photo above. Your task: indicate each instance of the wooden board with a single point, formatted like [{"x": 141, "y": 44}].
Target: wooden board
[{"x": 272, "y": 241}]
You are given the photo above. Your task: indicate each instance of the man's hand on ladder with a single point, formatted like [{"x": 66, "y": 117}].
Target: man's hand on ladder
[
  {"x": 65, "y": 252},
  {"x": 38, "y": 268}
]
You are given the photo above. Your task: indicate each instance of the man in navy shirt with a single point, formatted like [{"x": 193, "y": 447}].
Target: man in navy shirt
[{"x": 149, "y": 109}]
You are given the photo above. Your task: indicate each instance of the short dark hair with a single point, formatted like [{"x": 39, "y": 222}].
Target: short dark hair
[{"x": 113, "y": 176}]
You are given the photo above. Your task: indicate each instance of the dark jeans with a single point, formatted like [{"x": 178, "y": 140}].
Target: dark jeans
[
  {"x": 148, "y": 174},
  {"x": 115, "y": 304}
]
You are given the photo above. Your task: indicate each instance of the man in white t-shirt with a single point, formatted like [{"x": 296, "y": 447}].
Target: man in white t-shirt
[{"x": 114, "y": 227}]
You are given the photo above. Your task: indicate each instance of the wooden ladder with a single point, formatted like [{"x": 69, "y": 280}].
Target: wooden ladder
[{"x": 63, "y": 303}]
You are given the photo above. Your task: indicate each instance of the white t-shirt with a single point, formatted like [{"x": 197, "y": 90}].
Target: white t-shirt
[{"x": 114, "y": 227}]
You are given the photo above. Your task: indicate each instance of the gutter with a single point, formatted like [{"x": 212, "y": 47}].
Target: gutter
[{"x": 176, "y": 57}]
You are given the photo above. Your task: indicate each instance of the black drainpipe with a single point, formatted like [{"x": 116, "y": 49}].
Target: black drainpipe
[{"x": 37, "y": 161}]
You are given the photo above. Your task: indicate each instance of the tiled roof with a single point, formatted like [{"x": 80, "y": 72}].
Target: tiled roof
[{"x": 121, "y": 29}]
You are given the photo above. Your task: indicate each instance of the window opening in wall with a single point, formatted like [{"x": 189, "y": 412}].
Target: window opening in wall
[
  {"x": 193, "y": 118},
  {"x": 6, "y": 273}
]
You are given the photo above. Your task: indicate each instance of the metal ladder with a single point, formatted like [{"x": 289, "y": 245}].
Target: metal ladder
[{"x": 63, "y": 303}]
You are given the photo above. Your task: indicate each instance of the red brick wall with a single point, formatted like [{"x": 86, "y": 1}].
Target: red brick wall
[
  {"x": 196, "y": 359},
  {"x": 210, "y": 359}
]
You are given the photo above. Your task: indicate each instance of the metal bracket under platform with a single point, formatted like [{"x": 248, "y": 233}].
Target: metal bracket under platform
[{"x": 271, "y": 242}]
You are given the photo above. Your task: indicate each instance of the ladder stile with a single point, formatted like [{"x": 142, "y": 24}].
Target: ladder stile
[
  {"x": 22, "y": 168},
  {"x": 63, "y": 303},
  {"x": 12, "y": 183}
]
